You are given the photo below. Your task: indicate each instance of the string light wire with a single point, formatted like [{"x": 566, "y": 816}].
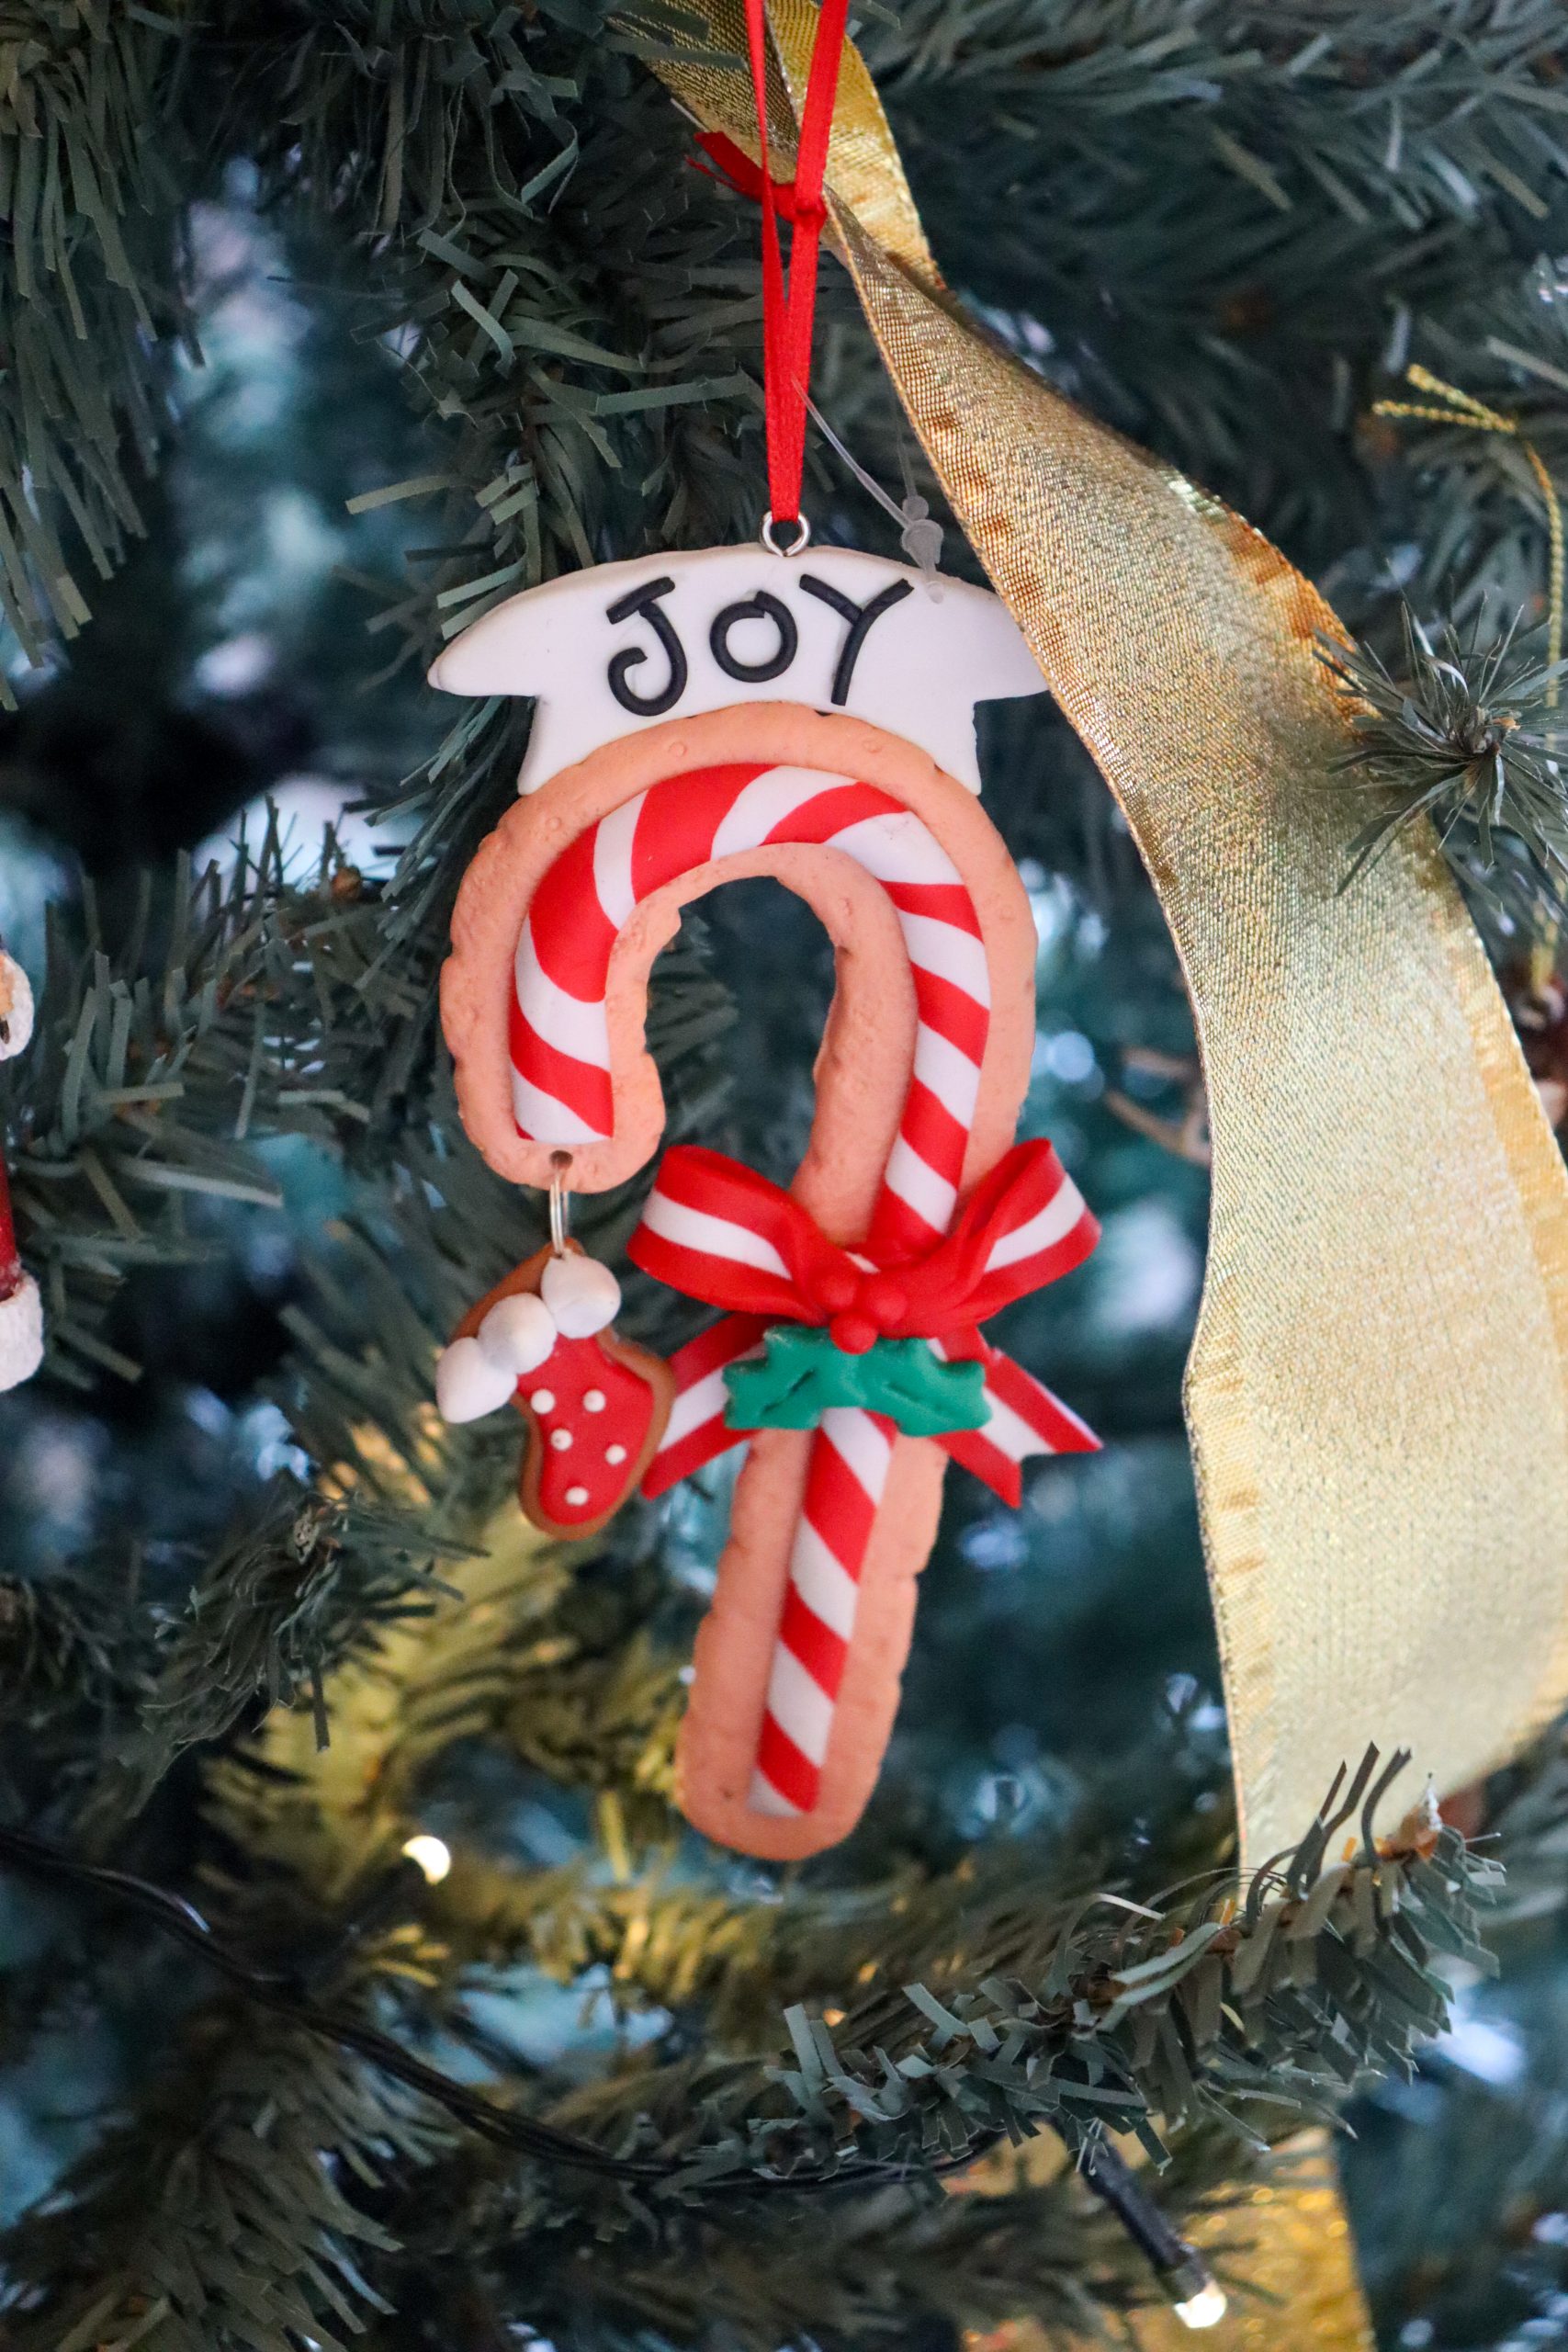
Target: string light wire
[{"x": 1181, "y": 2270}]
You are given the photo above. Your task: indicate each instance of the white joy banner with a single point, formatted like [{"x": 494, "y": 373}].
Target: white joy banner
[{"x": 628, "y": 645}]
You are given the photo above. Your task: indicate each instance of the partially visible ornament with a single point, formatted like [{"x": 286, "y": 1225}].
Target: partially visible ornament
[
  {"x": 21, "y": 1309},
  {"x": 595, "y": 1404}
]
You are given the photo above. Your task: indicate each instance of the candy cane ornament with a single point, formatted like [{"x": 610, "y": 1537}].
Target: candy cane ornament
[
  {"x": 561, "y": 1094},
  {"x": 726, "y": 713}
]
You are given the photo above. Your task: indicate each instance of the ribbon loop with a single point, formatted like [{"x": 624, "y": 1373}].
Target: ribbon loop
[
  {"x": 789, "y": 314},
  {"x": 717, "y": 1230}
]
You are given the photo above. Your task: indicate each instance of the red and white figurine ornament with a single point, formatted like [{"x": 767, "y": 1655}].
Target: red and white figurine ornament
[
  {"x": 807, "y": 714},
  {"x": 21, "y": 1309},
  {"x": 595, "y": 1404}
]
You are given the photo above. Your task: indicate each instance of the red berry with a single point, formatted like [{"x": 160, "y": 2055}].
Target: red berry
[{"x": 854, "y": 1333}]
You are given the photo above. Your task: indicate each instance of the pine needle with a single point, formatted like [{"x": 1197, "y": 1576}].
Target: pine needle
[{"x": 1467, "y": 737}]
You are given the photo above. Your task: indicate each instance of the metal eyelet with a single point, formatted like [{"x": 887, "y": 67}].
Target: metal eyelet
[
  {"x": 768, "y": 536},
  {"x": 560, "y": 1202}
]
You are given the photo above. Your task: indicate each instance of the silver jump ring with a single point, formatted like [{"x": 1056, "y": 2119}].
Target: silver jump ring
[
  {"x": 560, "y": 1202},
  {"x": 768, "y": 535}
]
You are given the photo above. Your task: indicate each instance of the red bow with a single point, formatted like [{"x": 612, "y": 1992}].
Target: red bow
[{"x": 715, "y": 1230}]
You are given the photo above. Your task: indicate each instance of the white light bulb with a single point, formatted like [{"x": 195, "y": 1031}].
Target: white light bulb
[
  {"x": 1205, "y": 2309},
  {"x": 432, "y": 1856}
]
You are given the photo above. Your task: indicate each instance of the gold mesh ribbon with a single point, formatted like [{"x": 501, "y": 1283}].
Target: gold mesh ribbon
[{"x": 1375, "y": 1395}]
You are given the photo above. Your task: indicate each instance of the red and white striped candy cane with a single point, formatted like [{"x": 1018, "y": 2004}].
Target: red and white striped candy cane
[
  {"x": 560, "y": 1048},
  {"x": 562, "y": 1096}
]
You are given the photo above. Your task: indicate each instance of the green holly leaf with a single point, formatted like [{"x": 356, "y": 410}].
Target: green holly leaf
[{"x": 802, "y": 1376}]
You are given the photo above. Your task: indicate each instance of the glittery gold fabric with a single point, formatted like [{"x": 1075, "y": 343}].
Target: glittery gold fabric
[{"x": 1375, "y": 1395}]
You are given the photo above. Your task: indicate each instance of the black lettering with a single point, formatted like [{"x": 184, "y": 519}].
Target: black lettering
[
  {"x": 643, "y": 604},
  {"x": 759, "y": 608},
  {"x": 860, "y": 618}
]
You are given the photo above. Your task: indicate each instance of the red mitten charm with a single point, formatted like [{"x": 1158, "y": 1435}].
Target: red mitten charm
[{"x": 595, "y": 1404}]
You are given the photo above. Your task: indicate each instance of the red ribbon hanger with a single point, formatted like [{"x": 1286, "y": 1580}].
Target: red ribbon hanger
[{"x": 788, "y": 312}]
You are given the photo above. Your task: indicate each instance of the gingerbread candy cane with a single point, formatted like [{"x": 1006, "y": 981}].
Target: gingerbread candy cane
[
  {"x": 562, "y": 1094},
  {"x": 862, "y": 1278}
]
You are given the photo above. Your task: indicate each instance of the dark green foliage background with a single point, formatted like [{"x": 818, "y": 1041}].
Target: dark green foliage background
[{"x": 321, "y": 329}]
